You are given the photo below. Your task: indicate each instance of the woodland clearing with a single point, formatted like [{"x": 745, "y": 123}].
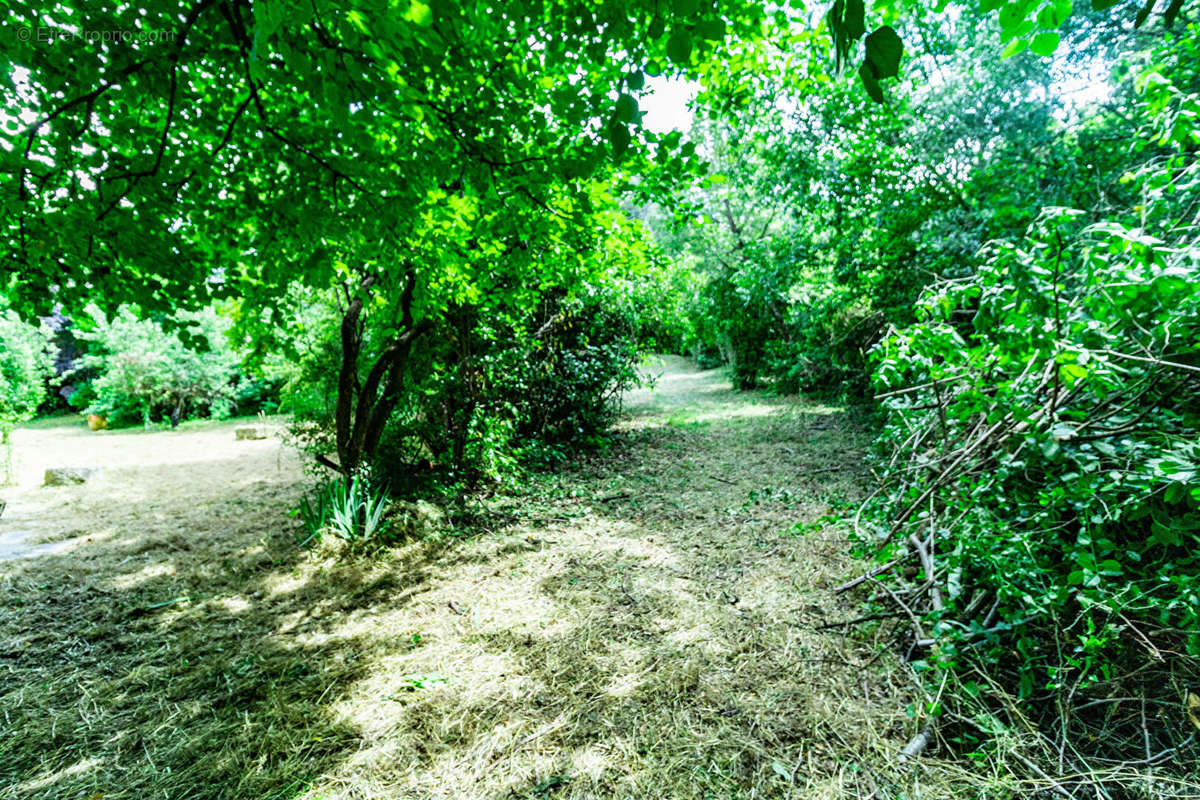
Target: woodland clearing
[{"x": 649, "y": 621}]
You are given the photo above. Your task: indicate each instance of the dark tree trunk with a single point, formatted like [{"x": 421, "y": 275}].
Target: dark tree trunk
[{"x": 363, "y": 407}]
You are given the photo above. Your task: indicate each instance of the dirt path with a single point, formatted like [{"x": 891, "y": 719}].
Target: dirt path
[{"x": 645, "y": 624}]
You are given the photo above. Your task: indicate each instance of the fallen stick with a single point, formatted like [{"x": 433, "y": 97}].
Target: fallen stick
[
  {"x": 824, "y": 469},
  {"x": 919, "y": 387},
  {"x": 856, "y": 620},
  {"x": 850, "y": 584}
]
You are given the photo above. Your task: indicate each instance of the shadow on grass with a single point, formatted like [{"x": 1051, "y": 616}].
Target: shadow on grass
[
  {"x": 632, "y": 647},
  {"x": 202, "y": 663}
]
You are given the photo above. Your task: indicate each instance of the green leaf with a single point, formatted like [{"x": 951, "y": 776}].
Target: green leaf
[
  {"x": 884, "y": 49},
  {"x": 1045, "y": 43},
  {"x": 1053, "y": 15},
  {"x": 635, "y": 80},
  {"x": 855, "y": 24},
  {"x": 658, "y": 26},
  {"x": 711, "y": 29},
  {"x": 619, "y": 138},
  {"x": 627, "y": 108},
  {"x": 419, "y": 14},
  {"x": 685, "y": 8},
  {"x": 1012, "y": 15},
  {"x": 1015, "y": 47},
  {"x": 1144, "y": 13},
  {"x": 870, "y": 84},
  {"x": 679, "y": 46}
]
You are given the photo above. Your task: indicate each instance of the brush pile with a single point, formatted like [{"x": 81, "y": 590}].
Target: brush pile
[{"x": 1037, "y": 516}]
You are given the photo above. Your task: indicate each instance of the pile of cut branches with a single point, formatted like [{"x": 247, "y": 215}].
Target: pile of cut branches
[{"x": 1038, "y": 516}]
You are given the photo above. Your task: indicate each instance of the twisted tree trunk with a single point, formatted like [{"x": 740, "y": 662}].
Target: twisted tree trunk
[{"x": 363, "y": 407}]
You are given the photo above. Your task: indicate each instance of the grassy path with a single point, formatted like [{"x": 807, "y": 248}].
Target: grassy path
[{"x": 645, "y": 624}]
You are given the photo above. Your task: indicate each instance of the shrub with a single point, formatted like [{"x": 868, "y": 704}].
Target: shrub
[
  {"x": 145, "y": 372},
  {"x": 26, "y": 361},
  {"x": 496, "y": 383},
  {"x": 495, "y": 392},
  {"x": 1040, "y": 459}
]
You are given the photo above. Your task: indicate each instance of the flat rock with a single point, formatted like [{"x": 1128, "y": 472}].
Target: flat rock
[
  {"x": 69, "y": 476},
  {"x": 251, "y": 432}
]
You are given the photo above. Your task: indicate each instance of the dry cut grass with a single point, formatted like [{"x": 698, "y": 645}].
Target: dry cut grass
[{"x": 646, "y": 624}]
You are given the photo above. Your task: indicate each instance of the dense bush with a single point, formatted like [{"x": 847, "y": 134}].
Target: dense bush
[
  {"x": 1041, "y": 458},
  {"x": 489, "y": 392},
  {"x": 25, "y": 363},
  {"x": 142, "y": 371},
  {"x": 496, "y": 383}
]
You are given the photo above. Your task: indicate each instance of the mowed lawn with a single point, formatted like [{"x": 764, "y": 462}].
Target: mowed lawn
[{"x": 653, "y": 621}]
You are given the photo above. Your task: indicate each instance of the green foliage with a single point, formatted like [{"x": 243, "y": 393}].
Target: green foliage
[
  {"x": 824, "y": 217},
  {"x": 348, "y": 509},
  {"x": 356, "y": 511},
  {"x": 1048, "y": 442},
  {"x": 25, "y": 363},
  {"x": 491, "y": 389},
  {"x": 143, "y": 372}
]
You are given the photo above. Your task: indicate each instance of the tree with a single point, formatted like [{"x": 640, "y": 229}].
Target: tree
[
  {"x": 415, "y": 160},
  {"x": 143, "y": 370}
]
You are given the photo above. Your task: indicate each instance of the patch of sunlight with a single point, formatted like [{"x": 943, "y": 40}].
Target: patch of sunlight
[
  {"x": 689, "y": 637},
  {"x": 234, "y": 605},
  {"x": 626, "y": 684},
  {"x": 593, "y": 761},
  {"x": 281, "y": 584},
  {"x": 823, "y": 411},
  {"x": 720, "y": 413},
  {"x": 147, "y": 573},
  {"x": 288, "y": 623},
  {"x": 45, "y": 781},
  {"x": 520, "y": 611}
]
